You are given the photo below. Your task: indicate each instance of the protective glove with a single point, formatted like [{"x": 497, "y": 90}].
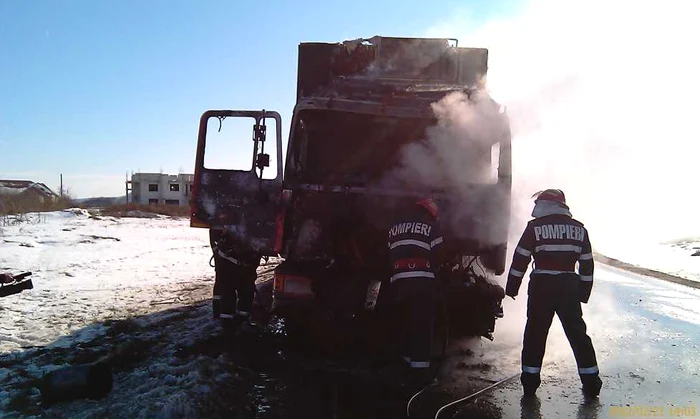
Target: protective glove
[
  {"x": 372, "y": 295},
  {"x": 511, "y": 292},
  {"x": 584, "y": 291},
  {"x": 512, "y": 287}
]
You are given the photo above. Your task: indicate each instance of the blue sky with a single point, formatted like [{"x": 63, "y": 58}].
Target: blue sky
[{"x": 94, "y": 90}]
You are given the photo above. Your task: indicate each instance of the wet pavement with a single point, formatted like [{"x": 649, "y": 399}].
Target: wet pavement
[{"x": 646, "y": 333}]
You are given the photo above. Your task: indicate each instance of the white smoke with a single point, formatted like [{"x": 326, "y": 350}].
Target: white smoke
[
  {"x": 601, "y": 97},
  {"x": 602, "y": 101},
  {"x": 455, "y": 155},
  {"x": 452, "y": 154}
]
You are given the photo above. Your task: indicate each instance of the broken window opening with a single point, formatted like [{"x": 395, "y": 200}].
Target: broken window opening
[
  {"x": 353, "y": 149},
  {"x": 231, "y": 148}
]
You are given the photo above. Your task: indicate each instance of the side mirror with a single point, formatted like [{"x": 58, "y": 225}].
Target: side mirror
[{"x": 263, "y": 160}]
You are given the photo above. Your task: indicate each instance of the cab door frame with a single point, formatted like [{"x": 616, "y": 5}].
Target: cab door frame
[{"x": 240, "y": 201}]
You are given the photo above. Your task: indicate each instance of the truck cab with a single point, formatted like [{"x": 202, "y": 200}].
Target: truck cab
[{"x": 378, "y": 123}]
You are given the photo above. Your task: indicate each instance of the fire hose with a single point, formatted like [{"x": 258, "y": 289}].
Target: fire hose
[
  {"x": 471, "y": 396},
  {"x": 460, "y": 400}
]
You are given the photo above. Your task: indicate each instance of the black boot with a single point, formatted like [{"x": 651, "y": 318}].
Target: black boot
[
  {"x": 421, "y": 377},
  {"x": 530, "y": 383},
  {"x": 591, "y": 385},
  {"x": 244, "y": 324}
]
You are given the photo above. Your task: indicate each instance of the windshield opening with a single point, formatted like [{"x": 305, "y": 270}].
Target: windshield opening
[{"x": 353, "y": 149}]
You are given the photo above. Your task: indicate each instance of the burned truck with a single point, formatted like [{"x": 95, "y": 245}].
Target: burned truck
[{"x": 377, "y": 124}]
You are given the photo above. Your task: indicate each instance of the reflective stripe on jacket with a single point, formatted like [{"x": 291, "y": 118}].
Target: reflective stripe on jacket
[
  {"x": 412, "y": 243},
  {"x": 557, "y": 243}
]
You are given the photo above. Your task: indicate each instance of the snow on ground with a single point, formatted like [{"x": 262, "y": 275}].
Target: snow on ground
[
  {"x": 679, "y": 257},
  {"x": 134, "y": 290},
  {"x": 137, "y": 290},
  {"x": 168, "y": 364},
  {"x": 87, "y": 269}
]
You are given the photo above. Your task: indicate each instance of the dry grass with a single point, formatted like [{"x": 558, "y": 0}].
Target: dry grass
[
  {"x": 19, "y": 205},
  {"x": 20, "y": 210},
  {"x": 126, "y": 210}
]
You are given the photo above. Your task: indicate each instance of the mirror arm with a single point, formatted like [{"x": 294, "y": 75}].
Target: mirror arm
[{"x": 260, "y": 133}]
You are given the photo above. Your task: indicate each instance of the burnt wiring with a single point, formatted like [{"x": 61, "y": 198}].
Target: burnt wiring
[
  {"x": 443, "y": 305},
  {"x": 473, "y": 263}
]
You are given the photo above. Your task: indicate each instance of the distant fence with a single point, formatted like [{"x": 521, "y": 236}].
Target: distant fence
[{"x": 24, "y": 218}]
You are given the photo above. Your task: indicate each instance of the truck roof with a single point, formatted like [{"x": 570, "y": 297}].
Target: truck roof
[{"x": 388, "y": 65}]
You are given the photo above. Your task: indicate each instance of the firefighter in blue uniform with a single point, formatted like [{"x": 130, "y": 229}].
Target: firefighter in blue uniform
[
  {"x": 234, "y": 286},
  {"x": 556, "y": 242},
  {"x": 413, "y": 245}
]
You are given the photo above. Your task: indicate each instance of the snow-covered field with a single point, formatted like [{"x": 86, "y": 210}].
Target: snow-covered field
[
  {"x": 138, "y": 289},
  {"x": 87, "y": 269},
  {"x": 678, "y": 257},
  {"x": 90, "y": 268},
  {"x": 106, "y": 285}
]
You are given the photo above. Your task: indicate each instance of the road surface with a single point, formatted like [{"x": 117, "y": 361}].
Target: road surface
[{"x": 646, "y": 333}]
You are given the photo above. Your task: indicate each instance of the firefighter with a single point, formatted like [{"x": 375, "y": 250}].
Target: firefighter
[
  {"x": 234, "y": 286},
  {"x": 413, "y": 245},
  {"x": 556, "y": 242}
]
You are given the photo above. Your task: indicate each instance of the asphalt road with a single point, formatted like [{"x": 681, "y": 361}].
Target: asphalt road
[{"x": 646, "y": 333}]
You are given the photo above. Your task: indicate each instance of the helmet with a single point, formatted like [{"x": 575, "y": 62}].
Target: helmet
[
  {"x": 429, "y": 205},
  {"x": 556, "y": 195}
]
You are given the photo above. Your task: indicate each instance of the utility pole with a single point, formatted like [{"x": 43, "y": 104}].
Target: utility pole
[{"x": 61, "y": 185}]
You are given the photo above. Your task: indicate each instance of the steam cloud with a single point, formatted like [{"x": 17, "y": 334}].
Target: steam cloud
[
  {"x": 602, "y": 100},
  {"x": 456, "y": 154},
  {"x": 454, "y": 150},
  {"x": 601, "y": 97}
]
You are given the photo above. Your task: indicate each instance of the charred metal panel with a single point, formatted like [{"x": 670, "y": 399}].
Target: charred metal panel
[
  {"x": 238, "y": 200},
  {"x": 320, "y": 63},
  {"x": 418, "y": 60},
  {"x": 336, "y": 221},
  {"x": 473, "y": 65}
]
